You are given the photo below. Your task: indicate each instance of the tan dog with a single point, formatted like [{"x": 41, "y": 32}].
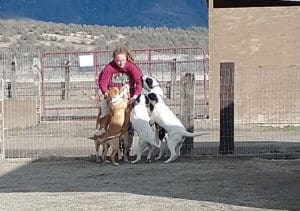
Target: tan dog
[
  {"x": 103, "y": 113},
  {"x": 118, "y": 123},
  {"x": 114, "y": 144}
]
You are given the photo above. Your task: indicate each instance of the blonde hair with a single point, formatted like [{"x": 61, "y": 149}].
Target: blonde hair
[{"x": 123, "y": 50}]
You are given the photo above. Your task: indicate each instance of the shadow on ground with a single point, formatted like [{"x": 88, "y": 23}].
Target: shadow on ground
[{"x": 249, "y": 182}]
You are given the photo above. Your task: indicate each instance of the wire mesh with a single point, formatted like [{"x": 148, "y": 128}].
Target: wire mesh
[
  {"x": 48, "y": 114},
  {"x": 42, "y": 115}
]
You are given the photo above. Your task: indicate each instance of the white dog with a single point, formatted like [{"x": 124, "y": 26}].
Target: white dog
[
  {"x": 165, "y": 118},
  {"x": 151, "y": 84},
  {"x": 140, "y": 122}
]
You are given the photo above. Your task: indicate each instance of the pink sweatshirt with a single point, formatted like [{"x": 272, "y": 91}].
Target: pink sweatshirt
[{"x": 113, "y": 76}]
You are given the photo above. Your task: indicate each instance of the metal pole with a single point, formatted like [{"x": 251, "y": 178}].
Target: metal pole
[{"x": 2, "y": 140}]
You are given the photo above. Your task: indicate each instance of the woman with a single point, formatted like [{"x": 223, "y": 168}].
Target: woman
[{"x": 121, "y": 70}]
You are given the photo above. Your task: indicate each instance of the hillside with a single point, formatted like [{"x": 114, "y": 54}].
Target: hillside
[
  {"x": 29, "y": 35},
  {"x": 119, "y": 13}
]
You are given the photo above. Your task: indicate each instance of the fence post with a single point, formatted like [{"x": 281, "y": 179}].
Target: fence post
[
  {"x": 226, "y": 108},
  {"x": 173, "y": 79},
  {"x": 168, "y": 90},
  {"x": 2, "y": 140},
  {"x": 9, "y": 89},
  {"x": 65, "y": 86},
  {"x": 149, "y": 62},
  {"x": 187, "y": 102},
  {"x": 63, "y": 90},
  {"x": 37, "y": 86},
  {"x": 13, "y": 82}
]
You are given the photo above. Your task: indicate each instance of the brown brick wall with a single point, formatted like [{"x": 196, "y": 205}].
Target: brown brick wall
[{"x": 264, "y": 43}]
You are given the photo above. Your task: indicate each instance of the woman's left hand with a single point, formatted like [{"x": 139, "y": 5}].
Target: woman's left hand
[{"x": 132, "y": 100}]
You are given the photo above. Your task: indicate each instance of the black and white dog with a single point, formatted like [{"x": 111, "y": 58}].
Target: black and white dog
[
  {"x": 165, "y": 118},
  {"x": 140, "y": 122},
  {"x": 151, "y": 85}
]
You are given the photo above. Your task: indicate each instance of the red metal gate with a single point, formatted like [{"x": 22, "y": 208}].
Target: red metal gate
[{"x": 65, "y": 75}]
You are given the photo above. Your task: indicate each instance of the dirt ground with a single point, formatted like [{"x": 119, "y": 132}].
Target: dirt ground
[{"x": 190, "y": 183}]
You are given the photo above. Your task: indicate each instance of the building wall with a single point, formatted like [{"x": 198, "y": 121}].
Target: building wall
[{"x": 264, "y": 44}]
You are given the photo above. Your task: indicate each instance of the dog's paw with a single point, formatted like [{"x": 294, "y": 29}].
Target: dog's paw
[
  {"x": 106, "y": 161},
  {"x": 171, "y": 159},
  {"x": 98, "y": 160},
  {"x": 157, "y": 158},
  {"x": 148, "y": 161},
  {"x": 116, "y": 164},
  {"x": 134, "y": 161}
]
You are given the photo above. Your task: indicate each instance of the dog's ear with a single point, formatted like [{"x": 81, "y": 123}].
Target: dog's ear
[
  {"x": 138, "y": 99},
  {"x": 146, "y": 100},
  {"x": 124, "y": 91},
  {"x": 149, "y": 82},
  {"x": 151, "y": 106},
  {"x": 161, "y": 133},
  {"x": 125, "y": 88},
  {"x": 153, "y": 97},
  {"x": 145, "y": 84}
]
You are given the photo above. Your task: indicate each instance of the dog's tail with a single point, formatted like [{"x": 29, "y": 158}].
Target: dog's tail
[
  {"x": 189, "y": 134},
  {"x": 101, "y": 138}
]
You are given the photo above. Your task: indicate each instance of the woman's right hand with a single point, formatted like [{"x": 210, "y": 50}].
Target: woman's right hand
[{"x": 105, "y": 95}]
